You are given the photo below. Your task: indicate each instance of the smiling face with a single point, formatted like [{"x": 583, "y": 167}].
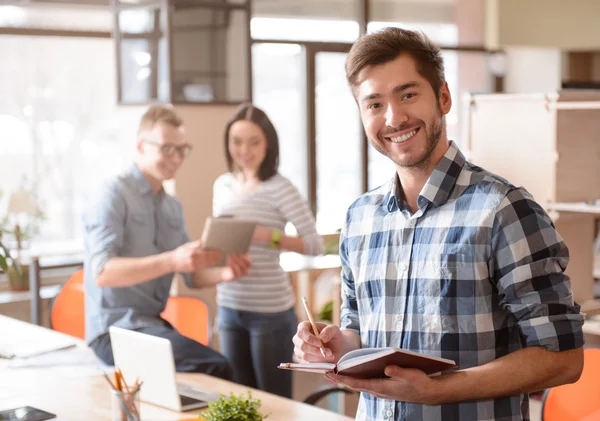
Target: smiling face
[
  {"x": 402, "y": 116},
  {"x": 247, "y": 146},
  {"x": 151, "y": 159}
]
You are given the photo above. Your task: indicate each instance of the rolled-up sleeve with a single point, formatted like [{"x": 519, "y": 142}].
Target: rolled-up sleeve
[
  {"x": 528, "y": 262},
  {"x": 349, "y": 308},
  {"x": 103, "y": 224}
]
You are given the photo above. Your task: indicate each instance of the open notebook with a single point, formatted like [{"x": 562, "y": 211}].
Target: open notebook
[{"x": 371, "y": 363}]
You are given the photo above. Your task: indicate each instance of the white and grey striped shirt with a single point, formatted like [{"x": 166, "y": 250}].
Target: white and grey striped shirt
[{"x": 273, "y": 203}]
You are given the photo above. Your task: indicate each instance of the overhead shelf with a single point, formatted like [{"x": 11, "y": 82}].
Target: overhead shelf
[{"x": 575, "y": 207}]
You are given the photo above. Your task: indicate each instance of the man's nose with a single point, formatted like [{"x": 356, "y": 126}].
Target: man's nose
[
  {"x": 395, "y": 115},
  {"x": 177, "y": 157}
]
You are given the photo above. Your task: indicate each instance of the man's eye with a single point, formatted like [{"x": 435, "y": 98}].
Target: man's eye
[
  {"x": 169, "y": 150},
  {"x": 410, "y": 96},
  {"x": 374, "y": 106}
]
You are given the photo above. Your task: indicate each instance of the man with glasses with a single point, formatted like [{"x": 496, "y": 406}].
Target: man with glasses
[{"x": 135, "y": 240}]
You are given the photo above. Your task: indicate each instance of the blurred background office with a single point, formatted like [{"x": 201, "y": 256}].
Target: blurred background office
[{"x": 72, "y": 85}]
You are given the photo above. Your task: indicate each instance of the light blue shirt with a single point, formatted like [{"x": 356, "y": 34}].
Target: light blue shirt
[{"x": 124, "y": 218}]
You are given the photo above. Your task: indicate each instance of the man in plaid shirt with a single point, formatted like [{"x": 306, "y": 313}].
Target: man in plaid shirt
[{"x": 445, "y": 259}]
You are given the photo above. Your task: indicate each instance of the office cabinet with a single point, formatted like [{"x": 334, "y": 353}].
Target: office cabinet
[{"x": 550, "y": 144}]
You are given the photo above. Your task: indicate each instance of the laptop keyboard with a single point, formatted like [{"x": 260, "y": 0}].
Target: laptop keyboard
[
  {"x": 195, "y": 394},
  {"x": 186, "y": 400}
]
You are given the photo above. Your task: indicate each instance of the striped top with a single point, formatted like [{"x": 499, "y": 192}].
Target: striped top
[{"x": 273, "y": 203}]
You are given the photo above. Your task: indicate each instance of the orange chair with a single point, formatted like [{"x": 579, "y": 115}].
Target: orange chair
[
  {"x": 578, "y": 401},
  {"x": 190, "y": 317},
  {"x": 67, "y": 314}
]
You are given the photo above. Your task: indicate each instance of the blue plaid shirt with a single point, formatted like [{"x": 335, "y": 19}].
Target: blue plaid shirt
[{"x": 475, "y": 274}]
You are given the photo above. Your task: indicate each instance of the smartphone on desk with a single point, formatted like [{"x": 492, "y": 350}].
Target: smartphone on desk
[{"x": 25, "y": 413}]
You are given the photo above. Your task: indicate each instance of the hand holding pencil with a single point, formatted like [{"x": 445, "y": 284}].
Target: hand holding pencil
[
  {"x": 319, "y": 342},
  {"x": 314, "y": 327}
]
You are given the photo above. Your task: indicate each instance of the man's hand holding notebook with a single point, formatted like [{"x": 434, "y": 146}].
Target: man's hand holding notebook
[
  {"x": 319, "y": 346},
  {"x": 371, "y": 363}
]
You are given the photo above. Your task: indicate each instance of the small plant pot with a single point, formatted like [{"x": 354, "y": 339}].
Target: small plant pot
[{"x": 18, "y": 281}]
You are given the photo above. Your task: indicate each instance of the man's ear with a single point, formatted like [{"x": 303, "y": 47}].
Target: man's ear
[{"x": 445, "y": 100}]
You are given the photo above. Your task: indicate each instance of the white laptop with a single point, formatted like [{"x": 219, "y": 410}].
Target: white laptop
[{"x": 150, "y": 359}]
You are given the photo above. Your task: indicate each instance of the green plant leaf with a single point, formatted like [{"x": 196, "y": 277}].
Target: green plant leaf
[
  {"x": 234, "y": 408},
  {"x": 326, "y": 312},
  {"x": 3, "y": 263}
]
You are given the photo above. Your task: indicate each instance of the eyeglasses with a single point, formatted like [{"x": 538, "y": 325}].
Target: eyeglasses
[{"x": 169, "y": 150}]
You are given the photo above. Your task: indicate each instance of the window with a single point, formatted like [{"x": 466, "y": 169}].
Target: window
[
  {"x": 278, "y": 78},
  {"x": 339, "y": 139},
  {"x": 323, "y": 30},
  {"x": 59, "y": 123}
]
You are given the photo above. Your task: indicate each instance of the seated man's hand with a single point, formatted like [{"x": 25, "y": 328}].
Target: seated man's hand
[
  {"x": 190, "y": 257},
  {"x": 307, "y": 345},
  {"x": 237, "y": 266}
]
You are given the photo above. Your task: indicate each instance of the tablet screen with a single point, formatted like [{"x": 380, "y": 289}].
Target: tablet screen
[{"x": 231, "y": 236}]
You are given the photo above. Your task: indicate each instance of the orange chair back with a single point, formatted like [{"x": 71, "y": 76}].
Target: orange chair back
[
  {"x": 190, "y": 317},
  {"x": 578, "y": 401},
  {"x": 68, "y": 309}
]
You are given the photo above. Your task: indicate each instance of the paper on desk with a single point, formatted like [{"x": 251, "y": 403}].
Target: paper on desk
[
  {"x": 15, "y": 344},
  {"x": 80, "y": 370},
  {"x": 80, "y": 356}
]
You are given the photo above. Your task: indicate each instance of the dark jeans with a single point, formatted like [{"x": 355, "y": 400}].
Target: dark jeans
[
  {"x": 255, "y": 344},
  {"x": 190, "y": 356}
]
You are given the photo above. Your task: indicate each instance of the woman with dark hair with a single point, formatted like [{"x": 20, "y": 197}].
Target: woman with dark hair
[{"x": 256, "y": 318}]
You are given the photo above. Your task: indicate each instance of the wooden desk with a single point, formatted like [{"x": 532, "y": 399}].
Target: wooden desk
[{"x": 88, "y": 398}]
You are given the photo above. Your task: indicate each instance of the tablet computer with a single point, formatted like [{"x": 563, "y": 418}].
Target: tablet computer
[{"x": 229, "y": 235}]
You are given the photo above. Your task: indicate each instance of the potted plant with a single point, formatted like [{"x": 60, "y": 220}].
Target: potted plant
[
  {"x": 18, "y": 276},
  {"x": 21, "y": 223},
  {"x": 234, "y": 408}
]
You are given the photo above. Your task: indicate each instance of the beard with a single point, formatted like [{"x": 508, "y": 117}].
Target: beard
[{"x": 433, "y": 133}]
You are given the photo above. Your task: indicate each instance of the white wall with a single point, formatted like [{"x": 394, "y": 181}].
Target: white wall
[
  {"x": 571, "y": 25},
  {"x": 533, "y": 70}
]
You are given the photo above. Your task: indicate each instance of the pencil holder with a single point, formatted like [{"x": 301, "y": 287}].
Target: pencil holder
[{"x": 125, "y": 405}]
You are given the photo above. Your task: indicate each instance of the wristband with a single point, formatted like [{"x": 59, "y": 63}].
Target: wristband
[{"x": 275, "y": 239}]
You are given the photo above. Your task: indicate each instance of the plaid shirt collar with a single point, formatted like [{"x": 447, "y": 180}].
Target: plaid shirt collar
[{"x": 437, "y": 188}]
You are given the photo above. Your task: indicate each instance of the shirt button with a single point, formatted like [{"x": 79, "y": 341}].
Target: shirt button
[
  {"x": 389, "y": 413},
  {"x": 403, "y": 266}
]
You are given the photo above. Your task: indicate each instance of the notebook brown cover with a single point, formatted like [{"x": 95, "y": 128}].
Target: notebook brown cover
[{"x": 375, "y": 368}]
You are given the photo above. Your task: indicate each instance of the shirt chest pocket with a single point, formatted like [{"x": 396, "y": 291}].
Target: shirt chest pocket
[
  {"x": 140, "y": 228},
  {"x": 450, "y": 283},
  {"x": 172, "y": 232}
]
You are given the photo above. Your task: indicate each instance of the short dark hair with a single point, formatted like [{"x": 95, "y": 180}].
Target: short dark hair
[
  {"x": 270, "y": 165},
  {"x": 386, "y": 45}
]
